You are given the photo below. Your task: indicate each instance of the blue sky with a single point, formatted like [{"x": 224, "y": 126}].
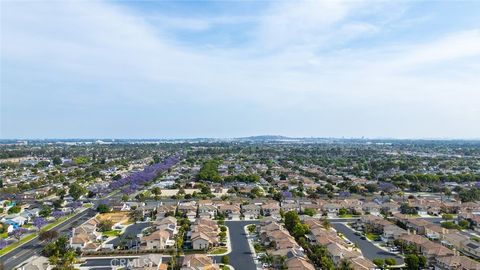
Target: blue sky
[{"x": 160, "y": 69}]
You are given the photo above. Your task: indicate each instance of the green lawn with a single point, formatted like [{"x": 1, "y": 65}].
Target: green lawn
[
  {"x": 56, "y": 223},
  {"x": 372, "y": 236},
  {"x": 220, "y": 250},
  {"x": 16, "y": 244},
  {"x": 111, "y": 233},
  {"x": 4, "y": 235}
]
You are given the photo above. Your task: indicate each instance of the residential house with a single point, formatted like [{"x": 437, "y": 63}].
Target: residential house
[
  {"x": 298, "y": 263},
  {"x": 292, "y": 206},
  {"x": 198, "y": 262},
  {"x": 251, "y": 211},
  {"x": 456, "y": 263},
  {"x": 432, "y": 250},
  {"x": 339, "y": 252},
  {"x": 120, "y": 207},
  {"x": 207, "y": 211},
  {"x": 271, "y": 209},
  {"x": 86, "y": 237},
  {"x": 166, "y": 209},
  {"x": 435, "y": 232},
  {"x": 418, "y": 225},
  {"x": 371, "y": 208},
  {"x": 168, "y": 224},
  {"x": 204, "y": 234},
  {"x": 374, "y": 224},
  {"x": 38, "y": 263},
  {"x": 392, "y": 232},
  {"x": 429, "y": 249},
  {"x": 361, "y": 263},
  {"x": 230, "y": 211},
  {"x": 159, "y": 239},
  {"x": 454, "y": 240},
  {"x": 15, "y": 220},
  {"x": 471, "y": 248},
  {"x": 189, "y": 210},
  {"x": 331, "y": 209}
]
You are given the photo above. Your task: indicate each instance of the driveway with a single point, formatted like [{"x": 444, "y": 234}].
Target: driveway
[
  {"x": 240, "y": 256},
  {"x": 369, "y": 250}
]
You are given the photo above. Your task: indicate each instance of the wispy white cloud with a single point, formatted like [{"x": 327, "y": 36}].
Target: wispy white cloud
[{"x": 298, "y": 71}]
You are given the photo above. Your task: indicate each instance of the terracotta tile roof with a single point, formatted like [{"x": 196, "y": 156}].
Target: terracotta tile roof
[{"x": 298, "y": 263}]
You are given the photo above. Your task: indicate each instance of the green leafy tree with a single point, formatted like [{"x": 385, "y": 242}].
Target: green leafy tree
[
  {"x": 299, "y": 230},
  {"x": 343, "y": 212},
  {"x": 209, "y": 171},
  {"x": 135, "y": 215},
  {"x": 105, "y": 225},
  {"x": 291, "y": 219},
  {"x": 60, "y": 255},
  {"x": 252, "y": 228},
  {"x": 14, "y": 210},
  {"x": 390, "y": 261},
  {"x": 157, "y": 192},
  {"x": 379, "y": 262},
  {"x": 412, "y": 262},
  {"x": 57, "y": 161},
  {"x": 225, "y": 259},
  {"x": 447, "y": 216},
  {"x": 76, "y": 191},
  {"x": 309, "y": 212},
  {"x": 45, "y": 211},
  {"x": 464, "y": 224},
  {"x": 103, "y": 208}
]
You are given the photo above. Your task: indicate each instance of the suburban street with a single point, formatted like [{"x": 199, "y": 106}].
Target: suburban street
[
  {"x": 132, "y": 230},
  {"x": 368, "y": 249},
  {"x": 34, "y": 247},
  {"x": 240, "y": 256}
]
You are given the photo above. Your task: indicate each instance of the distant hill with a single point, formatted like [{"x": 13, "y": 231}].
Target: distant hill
[{"x": 265, "y": 138}]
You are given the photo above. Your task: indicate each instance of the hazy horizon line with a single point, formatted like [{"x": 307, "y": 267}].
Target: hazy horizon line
[{"x": 246, "y": 137}]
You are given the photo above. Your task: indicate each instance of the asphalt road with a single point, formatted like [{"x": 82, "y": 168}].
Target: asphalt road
[
  {"x": 34, "y": 247},
  {"x": 241, "y": 256},
  {"x": 342, "y": 220},
  {"x": 369, "y": 250},
  {"x": 132, "y": 230}
]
